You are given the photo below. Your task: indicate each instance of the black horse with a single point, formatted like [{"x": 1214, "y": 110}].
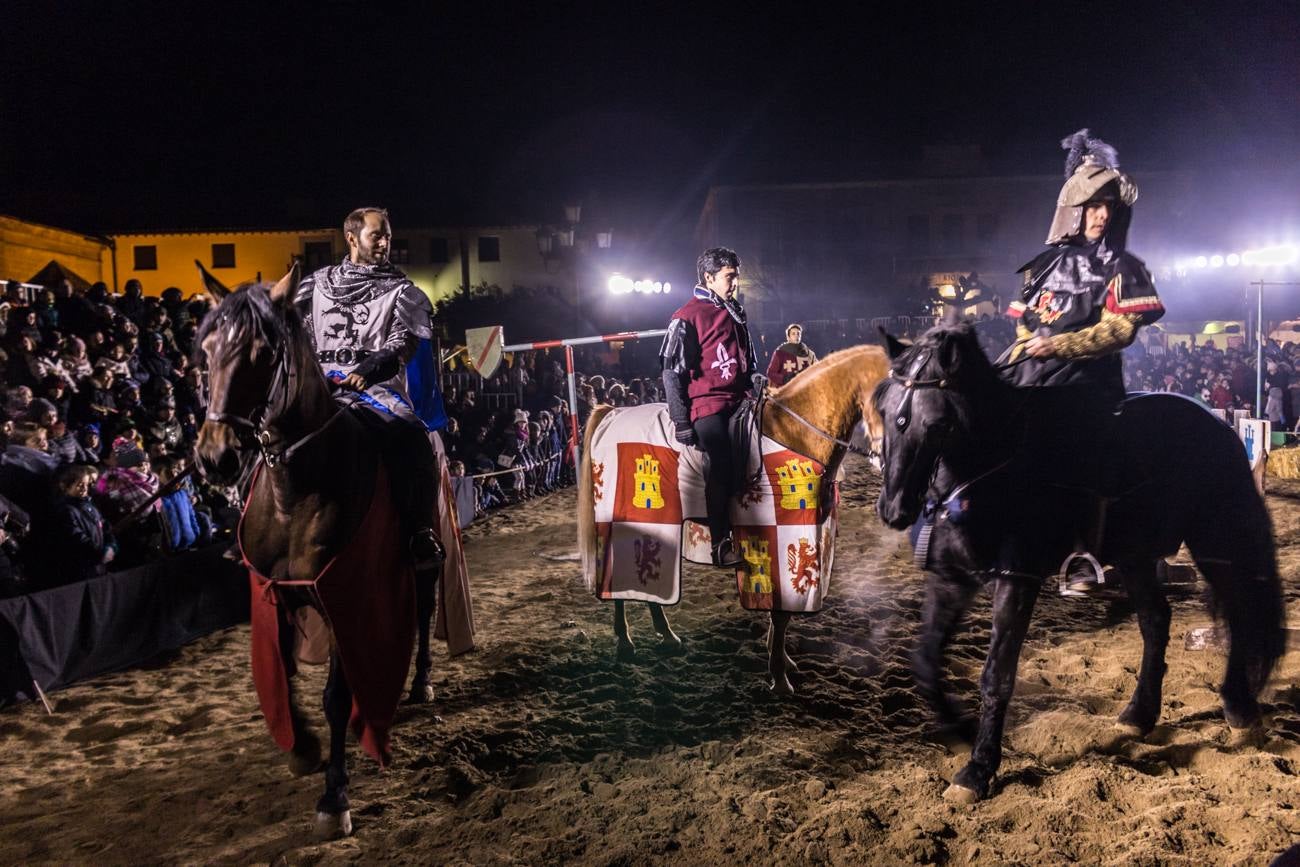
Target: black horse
[{"x": 989, "y": 470}]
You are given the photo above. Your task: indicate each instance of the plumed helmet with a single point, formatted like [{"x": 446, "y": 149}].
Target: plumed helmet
[{"x": 1091, "y": 174}]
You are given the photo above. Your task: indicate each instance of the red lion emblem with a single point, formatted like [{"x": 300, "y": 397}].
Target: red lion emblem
[
  {"x": 803, "y": 566},
  {"x": 697, "y": 534},
  {"x": 598, "y": 480},
  {"x": 647, "y": 559}
]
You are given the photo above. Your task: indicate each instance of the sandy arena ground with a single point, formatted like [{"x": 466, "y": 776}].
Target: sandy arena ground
[{"x": 542, "y": 749}]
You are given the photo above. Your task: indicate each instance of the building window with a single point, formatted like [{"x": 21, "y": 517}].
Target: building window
[
  {"x": 146, "y": 258},
  {"x": 223, "y": 255},
  {"x": 317, "y": 255},
  {"x": 918, "y": 233},
  {"x": 986, "y": 227},
  {"x": 438, "y": 251},
  {"x": 400, "y": 253},
  {"x": 489, "y": 248}
]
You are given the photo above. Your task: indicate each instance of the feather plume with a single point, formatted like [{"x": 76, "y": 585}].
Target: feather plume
[{"x": 1082, "y": 148}]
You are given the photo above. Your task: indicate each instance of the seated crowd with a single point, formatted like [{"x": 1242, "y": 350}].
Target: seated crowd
[{"x": 100, "y": 413}]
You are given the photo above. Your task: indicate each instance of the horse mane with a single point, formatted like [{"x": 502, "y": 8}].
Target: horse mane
[{"x": 251, "y": 310}]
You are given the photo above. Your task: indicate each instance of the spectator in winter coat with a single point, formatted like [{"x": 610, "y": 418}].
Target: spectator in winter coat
[
  {"x": 165, "y": 429},
  {"x": 128, "y": 483},
  {"x": 66, "y": 448},
  {"x": 180, "y": 521},
  {"x": 79, "y": 543},
  {"x": 26, "y": 469}
]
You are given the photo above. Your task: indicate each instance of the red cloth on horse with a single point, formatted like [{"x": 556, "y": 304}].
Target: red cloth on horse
[{"x": 368, "y": 596}]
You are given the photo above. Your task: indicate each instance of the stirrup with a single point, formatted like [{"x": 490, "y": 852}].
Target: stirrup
[
  {"x": 427, "y": 552},
  {"x": 725, "y": 555},
  {"x": 1080, "y": 574}
]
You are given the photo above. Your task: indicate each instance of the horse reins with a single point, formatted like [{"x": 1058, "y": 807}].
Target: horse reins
[
  {"x": 866, "y": 453},
  {"x": 256, "y": 429}
]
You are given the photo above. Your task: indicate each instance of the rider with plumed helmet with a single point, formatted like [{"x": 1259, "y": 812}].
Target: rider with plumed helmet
[
  {"x": 1083, "y": 301},
  {"x": 1085, "y": 296}
]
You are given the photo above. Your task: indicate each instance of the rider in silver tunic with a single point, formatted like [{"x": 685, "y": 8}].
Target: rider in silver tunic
[{"x": 366, "y": 320}]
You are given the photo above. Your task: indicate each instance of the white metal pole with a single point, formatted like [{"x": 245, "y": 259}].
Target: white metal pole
[{"x": 1259, "y": 352}]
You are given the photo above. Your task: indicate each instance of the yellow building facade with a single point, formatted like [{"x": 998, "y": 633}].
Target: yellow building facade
[
  {"x": 438, "y": 260},
  {"x": 162, "y": 259},
  {"x": 505, "y": 256},
  {"x": 26, "y": 248}
]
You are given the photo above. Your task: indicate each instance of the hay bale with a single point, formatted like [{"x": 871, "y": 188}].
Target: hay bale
[{"x": 1284, "y": 463}]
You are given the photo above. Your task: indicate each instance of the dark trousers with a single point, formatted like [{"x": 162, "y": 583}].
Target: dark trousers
[
  {"x": 715, "y": 441},
  {"x": 412, "y": 474}
]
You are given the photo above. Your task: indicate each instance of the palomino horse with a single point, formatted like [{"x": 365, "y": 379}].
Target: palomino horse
[
  {"x": 312, "y": 506},
  {"x": 814, "y": 415},
  {"x": 992, "y": 470}
]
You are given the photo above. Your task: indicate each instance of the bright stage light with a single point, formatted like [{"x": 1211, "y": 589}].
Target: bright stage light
[
  {"x": 1216, "y": 261},
  {"x": 668, "y": 287},
  {"x": 1200, "y": 261},
  {"x": 1233, "y": 260},
  {"x": 620, "y": 285},
  {"x": 1280, "y": 254}
]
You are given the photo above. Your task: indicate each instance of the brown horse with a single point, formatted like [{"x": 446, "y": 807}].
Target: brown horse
[
  {"x": 814, "y": 415},
  {"x": 318, "y": 474}
]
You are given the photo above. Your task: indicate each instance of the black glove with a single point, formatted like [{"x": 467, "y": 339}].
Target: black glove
[{"x": 686, "y": 435}]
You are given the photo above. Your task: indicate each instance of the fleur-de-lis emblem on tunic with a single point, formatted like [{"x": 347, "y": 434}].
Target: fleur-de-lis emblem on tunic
[{"x": 724, "y": 364}]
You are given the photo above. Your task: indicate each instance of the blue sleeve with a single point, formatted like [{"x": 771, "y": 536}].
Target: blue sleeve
[{"x": 422, "y": 385}]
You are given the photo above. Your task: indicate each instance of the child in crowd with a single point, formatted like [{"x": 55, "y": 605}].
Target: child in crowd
[
  {"x": 182, "y": 526},
  {"x": 77, "y": 543}
]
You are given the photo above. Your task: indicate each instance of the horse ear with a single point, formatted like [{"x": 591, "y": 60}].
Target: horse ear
[
  {"x": 214, "y": 287},
  {"x": 893, "y": 346},
  {"x": 287, "y": 289}
]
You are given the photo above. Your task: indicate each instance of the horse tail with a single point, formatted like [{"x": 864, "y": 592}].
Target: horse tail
[
  {"x": 587, "y": 499},
  {"x": 1236, "y": 553}
]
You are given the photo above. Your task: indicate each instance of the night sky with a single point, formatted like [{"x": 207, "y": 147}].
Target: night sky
[{"x": 232, "y": 115}]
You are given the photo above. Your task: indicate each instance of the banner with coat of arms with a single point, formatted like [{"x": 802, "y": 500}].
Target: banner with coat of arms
[{"x": 650, "y": 513}]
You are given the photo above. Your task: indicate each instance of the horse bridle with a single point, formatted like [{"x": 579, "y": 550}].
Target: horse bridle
[
  {"x": 903, "y": 417},
  {"x": 254, "y": 429}
]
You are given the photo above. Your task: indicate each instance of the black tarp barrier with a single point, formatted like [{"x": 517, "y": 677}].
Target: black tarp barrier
[{"x": 60, "y": 636}]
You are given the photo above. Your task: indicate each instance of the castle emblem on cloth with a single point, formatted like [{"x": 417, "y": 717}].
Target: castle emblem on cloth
[
  {"x": 799, "y": 484},
  {"x": 646, "y": 493},
  {"x": 803, "y": 566},
  {"x": 759, "y": 579}
]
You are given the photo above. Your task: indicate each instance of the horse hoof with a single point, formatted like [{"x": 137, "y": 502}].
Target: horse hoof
[
  {"x": 670, "y": 645},
  {"x": 1248, "y": 736},
  {"x": 960, "y": 795},
  {"x": 626, "y": 651},
  {"x": 305, "y": 759},
  {"x": 781, "y": 685},
  {"x": 420, "y": 694},
  {"x": 332, "y": 826}
]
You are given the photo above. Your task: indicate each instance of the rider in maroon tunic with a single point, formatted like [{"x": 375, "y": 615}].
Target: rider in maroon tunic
[{"x": 708, "y": 363}]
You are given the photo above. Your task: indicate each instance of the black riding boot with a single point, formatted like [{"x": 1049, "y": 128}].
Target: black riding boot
[
  {"x": 715, "y": 441},
  {"x": 413, "y": 474}
]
